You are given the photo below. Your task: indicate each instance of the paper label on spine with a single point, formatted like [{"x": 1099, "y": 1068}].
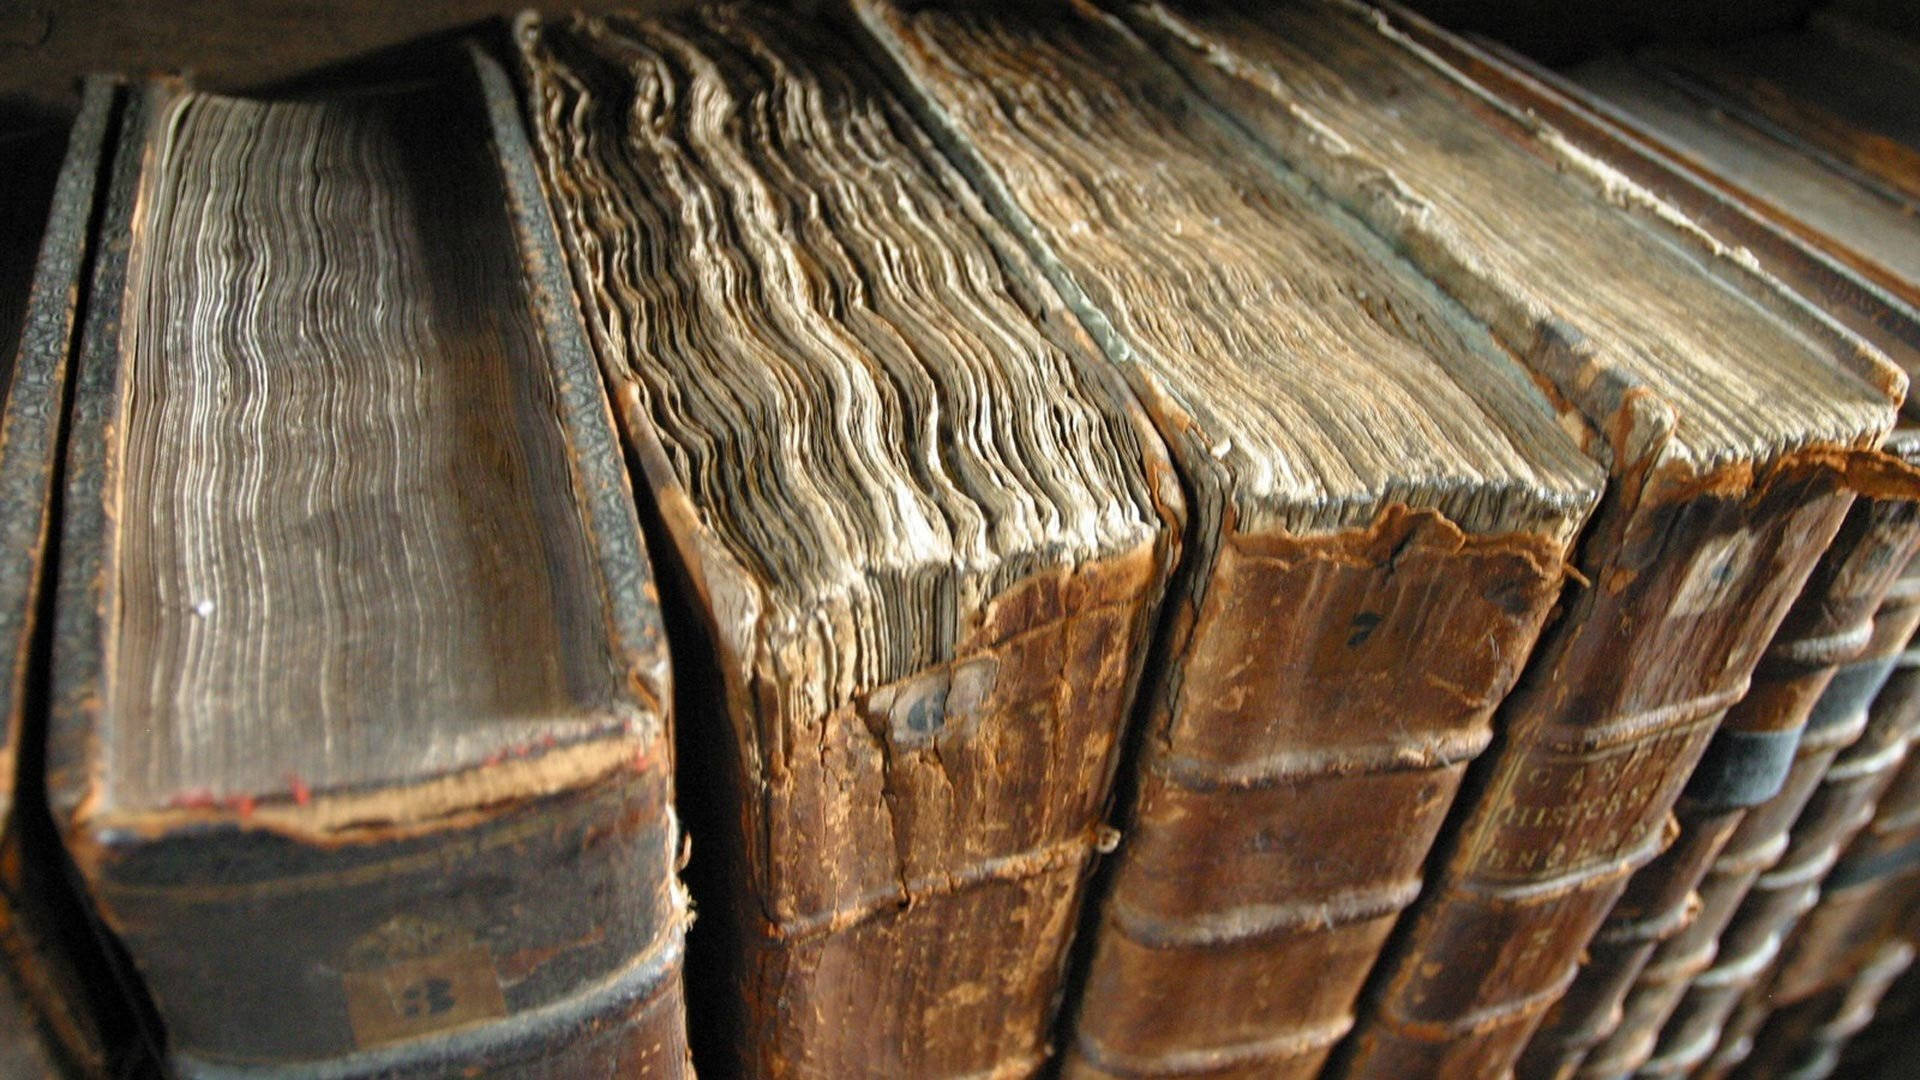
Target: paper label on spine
[
  {"x": 418, "y": 997},
  {"x": 412, "y": 977}
]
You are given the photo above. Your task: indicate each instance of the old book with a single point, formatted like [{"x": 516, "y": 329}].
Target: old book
[
  {"x": 1724, "y": 495},
  {"x": 1804, "y": 1040},
  {"x": 57, "y": 985},
  {"x": 1808, "y": 698},
  {"x": 1838, "y": 777},
  {"x": 1666, "y": 988},
  {"x": 1838, "y": 959},
  {"x": 360, "y": 718},
  {"x": 1595, "y": 1028},
  {"x": 1864, "y": 886},
  {"x": 1785, "y": 83},
  {"x": 1804, "y": 230},
  {"x": 924, "y": 532},
  {"x": 1855, "y": 917},
  {"x": 1862, "y": 226},
  {"x": 1383, "y": 499},
  {"x": 1884, "y": 1047}
]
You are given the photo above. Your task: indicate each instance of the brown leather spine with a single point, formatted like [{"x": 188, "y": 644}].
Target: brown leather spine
[
  {"x": 1803, "y": 1041},
  {"x": 1884, "y": 1045},
  {"x": 905, "y": 853},
  {"x": 1866, "y": 900},
  {"x": 1841, "y": 958},
  {"x": 1656, "y": 905},
  {"x": 1749, "y": 761},
  {"x": 1618, "y": 704},
  {"x": 1288, "y": 804},
  {"x": 1824, "y": 815},
  {"x": 837, "y": 936},
  {"x": 1601, "y": 735}
]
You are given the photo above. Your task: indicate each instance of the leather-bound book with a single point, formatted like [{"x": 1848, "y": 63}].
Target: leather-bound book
[
  {"x": 1775, "y": 176},
  {"x": 1722, "y": 501},
  {"x": 1836, "y": 962},
  {"x": 1786, "y": 83},
  {"x": 60, "y": 994},
  {"x": 1861, "y": 898},
  {"x": 1814, "y": 228},
  {"x": 1884, "y": 1047},
  {"x": 1680, "y": 999},
  {"x": 359, "y": 732},
  {"x": 1383, "y": 504},
  {"x": 1808, "y": 698},
  {"x": 1805, "y": 1040},
  {"x": 1845, "y": 248},
  {"x": 1836, "y": 781},
  {"x": 923, "y": 531},
  {"x": 1858, "y": 899}
]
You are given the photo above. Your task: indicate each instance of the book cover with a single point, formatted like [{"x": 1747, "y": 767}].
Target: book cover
[
  {"x": 1807, "y": 230},
  {"x": 47, "y": 199},
  {"x": 923, "y": 533},
  {"x": 1601, "y": 289},
  {"x": 1668, "y": 138},
  {"x": 1808, "y": 698},
  {"x": 1384, "y": 501},
  {"x": 360, "y": 717}
]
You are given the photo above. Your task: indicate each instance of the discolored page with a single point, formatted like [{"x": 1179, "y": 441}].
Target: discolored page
[
  {"x": 360, "y": 732},
  {"x": 925, "y": 536},
  {"x": 1619, "y": 114},
  {"x": 1384, "y": 503},
  {"x": 1871, "y": 229},
  {"x": 1739, "y": 420}
]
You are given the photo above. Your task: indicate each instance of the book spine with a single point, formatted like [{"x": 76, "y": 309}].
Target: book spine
[
  {"x": 1656, "y": 906},
  {"x": 536, "y": 934},
  {"x": 1287, "y": 806},
  {"x": 1601, "y": 736},
  {"x": 962, "y": 933},
  {"x": 1829, "y": 812},
  {"x": 1735, "y": 1039},
  {"x": 1813, "y": 667},
  {"x": 1883, "y": 1044},
  {"x": 406, "y": 958},
  {"x": 1661, "y": 1037},
  {"x": 1829, "y": 976},
  {"x": 904, "y": 865},
  {"x": 1803, "y": 1040},
  {"x": 1865, "y": 900}
]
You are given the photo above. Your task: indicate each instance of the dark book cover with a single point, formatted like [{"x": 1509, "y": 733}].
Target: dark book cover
[{"x": 360, "y": 733}]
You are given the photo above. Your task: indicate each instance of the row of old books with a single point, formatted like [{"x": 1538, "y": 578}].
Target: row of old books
[{"x": 1134, "y": 540}]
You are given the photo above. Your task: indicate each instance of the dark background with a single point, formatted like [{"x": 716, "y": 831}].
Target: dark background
[{"x": 45, "y": 45}]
